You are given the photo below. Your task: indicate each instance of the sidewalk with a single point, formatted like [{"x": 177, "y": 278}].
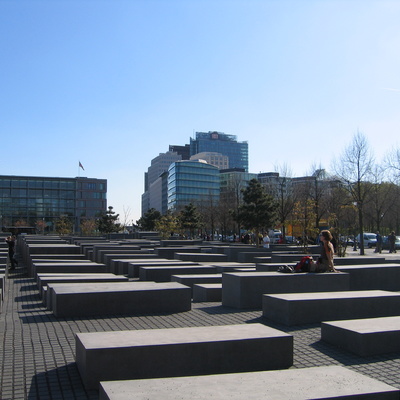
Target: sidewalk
[{"x": 37, "y": 350}]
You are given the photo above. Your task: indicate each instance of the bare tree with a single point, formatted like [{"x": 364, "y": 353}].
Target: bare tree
[
  {"x": 283, "y": 191},
  {"x": 354, "y": 168},
  {"x": 392, "y": 163}
]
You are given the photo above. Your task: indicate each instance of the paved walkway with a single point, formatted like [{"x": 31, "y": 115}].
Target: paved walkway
[{"x": 37, "y": 350}]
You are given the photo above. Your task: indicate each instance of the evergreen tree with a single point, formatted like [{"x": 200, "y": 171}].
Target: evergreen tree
[
  {"x": 258, "y": 211},
  {"x": 190, "y": 219},
  {"x": 167, "y": 225},
  {"x": 107, "y": 223},
  {"x": 149, "y": 220}
]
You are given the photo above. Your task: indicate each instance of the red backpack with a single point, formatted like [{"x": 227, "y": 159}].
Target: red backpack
[{"x": 304, "y": 264}]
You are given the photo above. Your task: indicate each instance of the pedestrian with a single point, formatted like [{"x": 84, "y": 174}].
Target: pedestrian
[
  {"x": 10, "y": 240},
  {"x": 267, "y": 241},
  {"x": 392, "y": 241},
  {"x": 378, "y": 248},
  {"x": 325, "y": 261}
]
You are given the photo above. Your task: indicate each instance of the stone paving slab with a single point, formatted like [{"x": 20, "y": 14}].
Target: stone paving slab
[{"x": 37, "y": 350}]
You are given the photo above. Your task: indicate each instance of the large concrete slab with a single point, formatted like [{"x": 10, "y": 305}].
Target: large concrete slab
[
  {"x": 373, "y": 276},
  {"x": 206, "y": 292},
  {"x": 364, "y": 337},
  {"x": 305, "y": 308},
  {"x": 134, "y": 266},
  {"x": 229, "y": 266},
  {"x": 164, "y": 273},
  {"x": 269, "y": 267},
  {"x": 317, "y": 383},
  {"x": 158, "y": 353},
  {"x": 193, "y": 279},
  {"x": 113, "y": 261},
  {"x": 88, "y": 299},
  {"x": 44, "y": 279},
  {"x": 169, "y": 252},
  {"x": 200, "y": 257},
  {"x": 245, "y": 289},
  {"x": 65, "y": 267}
]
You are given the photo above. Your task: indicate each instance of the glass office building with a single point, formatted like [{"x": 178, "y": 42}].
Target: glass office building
[
  {"x": 238, "y": 152},
  {"x": 27, "y": 200},
  {"x": 192, "y": 182}
]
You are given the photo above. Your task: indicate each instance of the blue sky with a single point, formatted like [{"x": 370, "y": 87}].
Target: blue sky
[{"x": 112, "y": 83}]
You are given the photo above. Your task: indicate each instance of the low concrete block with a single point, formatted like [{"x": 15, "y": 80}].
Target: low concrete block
[
  {"x": 247, "y": 257},
  {"x": 364, "y": 337},
  {"x": 206, "y": 292},
  {"x": 158, "y": 353},
  {"x": 76, "y": 267},
  {"x": 200, "y": 257},
  {"x": 230, "y": 266},
  {"x": 333, "y": 382},
  {"x": 268, "y": 267},
  {"x": 45, "y": 279},
  {"x": 245, "y": 289},
  {"x": 119, "y": 264},
  {"x": 373, "y": 276},
  {"x": 191, "y": 280},
  {"x": 290, "y": 258},
  {"x": 164, "y": 273},
  {"x": 306, "y": 308},
  {"x": 88, "y": 299},
  {"x": 134, "y": 266}
]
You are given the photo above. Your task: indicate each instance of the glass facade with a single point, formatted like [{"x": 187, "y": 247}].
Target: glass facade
[
  {"x": 26, "y": 200},
  {"x": 192, "y": 182},
  {"x": 238, "y": 152}
]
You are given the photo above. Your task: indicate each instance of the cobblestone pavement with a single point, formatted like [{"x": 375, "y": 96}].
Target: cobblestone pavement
[{"x": 37, "y": 350}]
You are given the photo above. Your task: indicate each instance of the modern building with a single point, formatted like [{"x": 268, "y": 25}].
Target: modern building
[
  {"x": 237, "y": 152},
  {"x": 183, "y": 151},
  {"x": 192, "y": 182},
  {"x": 233, "y": 181},
  {"x": 159, "y": 165},
  {"x": 28, "y": 199},
  {"x": 217, "y": 159}
]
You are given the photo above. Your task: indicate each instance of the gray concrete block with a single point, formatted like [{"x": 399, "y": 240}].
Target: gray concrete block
[
  {"x": 306, "y": 308},
  {"x": 158, "y": 353},
  {"x": 134, "y": 266},
  {"x": 64, "y": 267},
  {"x": 229, "y": 266},
  {"x": 200, "y": 257},
  {"x": 269, "y": 267},
  {"x": 88, "y": 299},
  {"x": 364, "y": 337},
  {"x": 164, "y": 273},
  {"x": 206, "y": 292},
  {"x": 245, "y": 289},
  {"x": 193, "y": 279},
  {"x": 373, "y": 276},
  {"x": 45, "y": 279},
  {"x": 322, "y": 383}
]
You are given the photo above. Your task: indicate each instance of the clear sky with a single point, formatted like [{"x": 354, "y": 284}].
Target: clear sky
[{"x": 111, "y": 83}]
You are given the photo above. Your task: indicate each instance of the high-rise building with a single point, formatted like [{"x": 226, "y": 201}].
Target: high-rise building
[
  {"x": 183, "y": 151},
  {"x": 29, "y": 199},
  {"x": 159, "y": 165},
  {"x": 218, "y": 160},
  {"x": 237, "y": 152},
  {"x": 192, "y": 182}
]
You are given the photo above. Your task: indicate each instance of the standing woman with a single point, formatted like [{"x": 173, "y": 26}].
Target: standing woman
[{"x": 325, "y": 262}]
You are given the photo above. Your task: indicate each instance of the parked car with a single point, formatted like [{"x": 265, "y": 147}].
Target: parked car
[
  {"x": 347, "y": 240},
  {"x": 276, "y": 237},
  {"x": 369, "y": 239},
  {"x": 385, "y": 243},
  {"x": 291, "y": 240}
]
